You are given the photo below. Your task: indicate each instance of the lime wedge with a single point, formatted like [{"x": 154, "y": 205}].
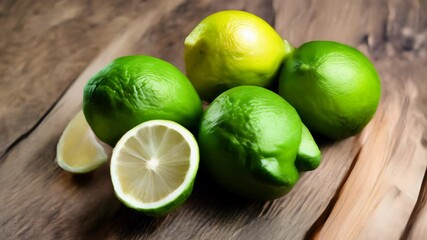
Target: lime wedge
[
  {"x": 154, "y": 165},
  {"x": 78, "y": 150}
]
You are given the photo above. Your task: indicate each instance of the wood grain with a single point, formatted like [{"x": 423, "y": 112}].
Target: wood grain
[
  {"x": 35, "y": 192},
  {"x": 48, "y": 45},
  {"x": 368, "y": 186},
  {"x": 383, "y": 187},
  {"x": 417, "y": 225}
]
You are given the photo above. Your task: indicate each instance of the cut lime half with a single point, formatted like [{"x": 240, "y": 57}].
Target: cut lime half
[
  {"x": 78, "y": 149},
  {"x": 154, "y": 165}
]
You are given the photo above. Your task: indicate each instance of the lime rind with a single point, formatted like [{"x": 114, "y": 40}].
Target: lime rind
[
  {"x": 334, "y": 87},
  {"x": 173, "y": 199},
  {"x": 308, "y": 156},
  {"x": 289, "y": 49},
  {"x": 249, "y": 138},
  {"x": 137, "y": 88}
]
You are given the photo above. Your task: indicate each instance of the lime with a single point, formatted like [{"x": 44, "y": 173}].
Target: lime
[
  {"x": 232, "y": 48},
  {"x": 249, "y": 139},
  {"x": 134, "y": 89},
  {"x": 308, "y": 155},
  {"x": 154, "y": 165},
  {"x": 78, "y": 150},
  {"x": 334, "y": 88}
]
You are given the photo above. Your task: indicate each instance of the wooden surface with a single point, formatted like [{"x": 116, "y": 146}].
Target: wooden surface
[{"x": 371, "y": 186}]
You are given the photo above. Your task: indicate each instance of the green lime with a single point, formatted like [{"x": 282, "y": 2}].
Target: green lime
[
  {"x": 249, "y": 139},
  {"x": 334, "y": 88},
  {"x": 308, "y": 156},
  {"x": 232, "y": 48},
  {"x": 154, "y": 165},
  {"x": 134, "y": 89}
]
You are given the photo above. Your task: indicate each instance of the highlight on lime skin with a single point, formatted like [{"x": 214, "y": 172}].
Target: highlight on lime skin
[{"x": 303, "y": 67}]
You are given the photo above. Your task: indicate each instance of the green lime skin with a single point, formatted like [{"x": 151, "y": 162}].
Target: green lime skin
[
  {"x": 308, "y": 156},
  {"x": 248, "y": 139},
  {"x": 135, "y": 89},
  {"x": 167, "y": 208},
  {"x": 334, "y": 88},
  {"x": 164, "y": 210}
]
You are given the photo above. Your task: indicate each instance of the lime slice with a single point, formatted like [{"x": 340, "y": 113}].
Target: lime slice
[
  {"x": 78, "y": 150},
  {"x": 154, "y": 165}
]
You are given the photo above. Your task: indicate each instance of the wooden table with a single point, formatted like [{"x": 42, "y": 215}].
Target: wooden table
[{"x": 371, "y": 186}]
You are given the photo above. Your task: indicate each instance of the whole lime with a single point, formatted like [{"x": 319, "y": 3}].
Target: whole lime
[
  {"x": 334, "y": 88},
  {"x": 232, "y": 48},
  {"x": 249, "y": 139},
  {"x": 134, "y": 89}
]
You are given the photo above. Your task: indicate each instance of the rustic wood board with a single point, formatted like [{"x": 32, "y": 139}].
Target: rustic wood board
[{"x": 371, "y": 186}]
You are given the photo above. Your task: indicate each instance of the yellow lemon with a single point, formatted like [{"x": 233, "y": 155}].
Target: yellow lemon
[{"x": 232, "y": 48}]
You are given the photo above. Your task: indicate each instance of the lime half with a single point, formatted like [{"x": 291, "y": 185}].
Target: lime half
[
  {"x": 154, "y": 165},
  {"x": 78, "y": 150}
]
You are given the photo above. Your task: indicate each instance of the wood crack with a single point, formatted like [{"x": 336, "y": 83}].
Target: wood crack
[{"x": 32, "y": 128}]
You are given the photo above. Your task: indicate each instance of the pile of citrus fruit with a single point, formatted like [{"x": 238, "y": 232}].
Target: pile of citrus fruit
[{"x": 254, "y": 142}]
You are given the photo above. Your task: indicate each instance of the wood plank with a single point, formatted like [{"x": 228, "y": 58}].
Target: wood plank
[{"x": 417, "y": 224}]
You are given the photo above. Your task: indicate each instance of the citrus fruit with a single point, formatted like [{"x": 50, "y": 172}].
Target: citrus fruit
[
  {"x": 249, "y": 139},
  {"x": 308, "y": 155},
  {"x": 232, "y": 48},
  {"x": 78, "y": 150},
  {"x": 154, "y": 165},
  {"x": 334, "y": 88},
  {"x": 134, "y": 89}
]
